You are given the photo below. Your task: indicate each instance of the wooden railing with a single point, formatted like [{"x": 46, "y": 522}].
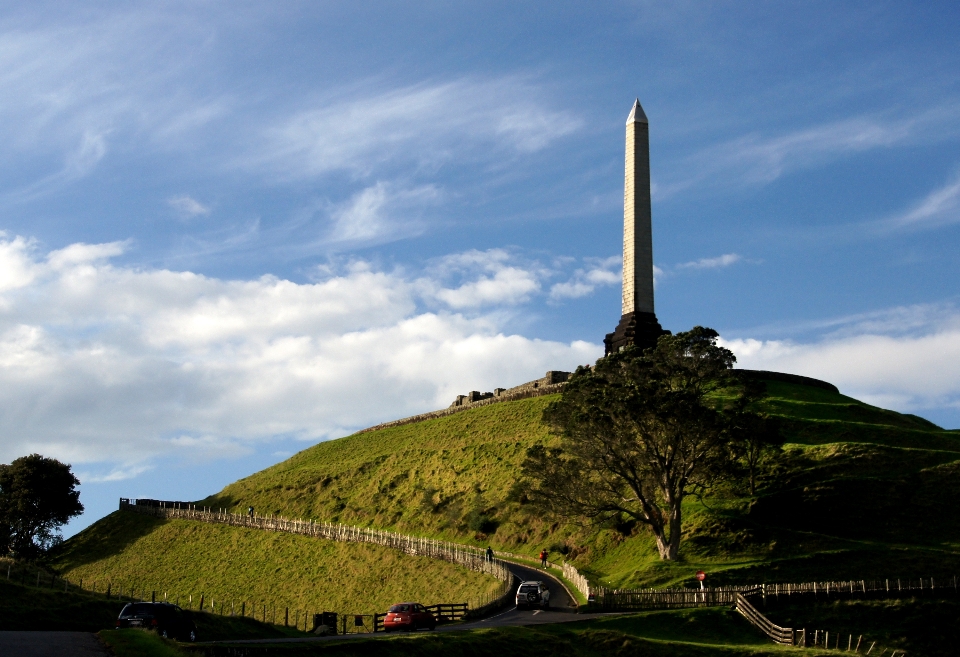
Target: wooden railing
[
  {"x": 782, "y": 635},
  {"x": 467, "y": 556}
]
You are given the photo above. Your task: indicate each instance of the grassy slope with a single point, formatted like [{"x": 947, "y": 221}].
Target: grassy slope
[
  {"x": 232, "y": 564},
  {"x": 854, "y": 483},
  {"x": 859, "y": 492}
]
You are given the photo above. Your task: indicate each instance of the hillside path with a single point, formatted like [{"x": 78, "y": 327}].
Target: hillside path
[
  {"x": 51, "y": 644},
  {"x": 560, "y": 600}
]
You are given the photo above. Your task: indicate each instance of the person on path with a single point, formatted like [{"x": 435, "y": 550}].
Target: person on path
[
  {"x": 250, "y": 511},
  {"x": 543, "y": 558},
  {"x": 489, "y": 553},
  {"x": 545, "y": 599}
]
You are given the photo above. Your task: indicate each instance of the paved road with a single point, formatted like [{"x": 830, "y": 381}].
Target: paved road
[
  {"x": 561, "y": 610},
  {"x": 51, "y": 644}
]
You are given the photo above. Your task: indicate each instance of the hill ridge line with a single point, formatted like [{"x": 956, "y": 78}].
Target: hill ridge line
[{"x": 553, "y": 383}]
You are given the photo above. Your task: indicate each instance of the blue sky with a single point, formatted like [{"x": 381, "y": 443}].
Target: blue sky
[{"x": 231, "y": 230}]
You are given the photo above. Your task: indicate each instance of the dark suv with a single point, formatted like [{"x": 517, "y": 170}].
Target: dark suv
[{"x": 170, "y": 621}]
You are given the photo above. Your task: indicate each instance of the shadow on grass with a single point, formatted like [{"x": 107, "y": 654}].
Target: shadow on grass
[{"x": 107, "y": 537}]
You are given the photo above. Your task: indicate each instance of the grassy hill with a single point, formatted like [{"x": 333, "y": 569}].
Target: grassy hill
[
  {"x": 859, "y": 492},
  {"x": 232, "y": 565}
]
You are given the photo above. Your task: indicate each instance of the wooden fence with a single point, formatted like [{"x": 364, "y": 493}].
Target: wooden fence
[
  {"x": 726, "y": 595},
  {"x": 782, "y": 635},
  {"x": 472, "y": 558}
]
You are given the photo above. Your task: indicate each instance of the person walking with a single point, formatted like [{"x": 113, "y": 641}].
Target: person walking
[
  {"x": 489, "y": 553},
  {"x": 543, "y": 558},
  {"x": 545, "y": 599}
]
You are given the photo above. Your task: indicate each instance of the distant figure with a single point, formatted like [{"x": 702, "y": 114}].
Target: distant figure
[
  {"x": 250, "y": 511},
  {"x": 489, "y": 553},
  {"x": 543, "y": 558},
  {"x": 545, "y": 599}
]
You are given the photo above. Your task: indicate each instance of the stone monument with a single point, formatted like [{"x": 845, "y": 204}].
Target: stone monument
[{"x": 638, "y": 324}]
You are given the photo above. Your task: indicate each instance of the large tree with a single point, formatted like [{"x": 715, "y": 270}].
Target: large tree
[
  {"x": 754, "y": 436},
  {"x": 37, "y": 496},
  {"x": 639, "y": 432}
]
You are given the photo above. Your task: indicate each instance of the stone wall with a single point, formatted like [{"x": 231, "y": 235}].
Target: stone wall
[{"x": 551, "y": 383}]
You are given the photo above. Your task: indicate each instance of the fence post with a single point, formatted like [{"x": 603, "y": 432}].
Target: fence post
[{"x": 286, "y": 616}]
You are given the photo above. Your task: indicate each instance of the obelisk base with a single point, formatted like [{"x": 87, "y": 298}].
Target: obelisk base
[{"x": 635, "y": 329}]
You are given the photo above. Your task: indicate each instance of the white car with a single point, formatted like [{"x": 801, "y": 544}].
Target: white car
[{"x": 533, "y": 594}]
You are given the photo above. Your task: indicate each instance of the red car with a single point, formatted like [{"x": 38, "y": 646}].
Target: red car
[{"x": 408, "y": 616}]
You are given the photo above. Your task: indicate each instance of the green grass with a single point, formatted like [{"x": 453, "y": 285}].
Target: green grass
[
  {"x": 29, "y": 608},
  {"x": 919, "y": 626},
  {"x": 232, "y": 565},
  {"x": 683, "y": 633},
  {"x": 138, "y": 643}
]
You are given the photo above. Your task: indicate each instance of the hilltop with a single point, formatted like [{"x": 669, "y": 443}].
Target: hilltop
[{"x": 859, "y": 491}]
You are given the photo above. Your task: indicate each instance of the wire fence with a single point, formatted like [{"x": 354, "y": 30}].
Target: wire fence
[
  {"x": 467, "y": 556},
  {"x": 803, "y": 638}
]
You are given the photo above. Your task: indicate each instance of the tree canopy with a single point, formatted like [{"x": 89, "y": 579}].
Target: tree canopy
[
  {"x": 639, "y": 432},
  {"x": 37, "y": 496}
]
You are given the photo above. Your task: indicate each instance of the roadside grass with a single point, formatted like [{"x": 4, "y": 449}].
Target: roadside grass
[
  {"x": 232, "y": 566},
  {"x": 684, "y": 633},
  {"x": 920, "y": 626},
  {"x": 138, "y": 643},
  {"x": 27, "y": 608}
]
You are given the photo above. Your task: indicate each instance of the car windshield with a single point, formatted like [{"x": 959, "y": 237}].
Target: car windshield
[
  {"x": 398, "y": 608},
  {"x": 139, "y": 609}
]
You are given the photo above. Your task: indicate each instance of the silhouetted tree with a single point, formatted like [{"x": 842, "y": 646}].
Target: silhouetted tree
[
  {"x": 639, "y": 432},
  {"x": 37, "y": 497},
  {"x": 753, "y": 435}
]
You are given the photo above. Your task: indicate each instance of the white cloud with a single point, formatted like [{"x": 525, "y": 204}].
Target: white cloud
[
  {"x": 758, "y": 160},
  {"x": 374, "y": 213},
  {"x": 608, "y": 271},
  {"x": 101, "y": 364},
  {"x": 424, "y": 124},
  {"x": 941, "y": 206},
  {"x": 75, "y": 84},
  {"x": 725, "y": 260},
  {"x": 904, "y": 358},
  {"x": 488, "y": 278},
  {"x": 188, "y": 207}
]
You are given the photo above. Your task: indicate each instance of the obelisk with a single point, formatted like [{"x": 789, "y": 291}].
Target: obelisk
[{"x": 638, "y": 323}]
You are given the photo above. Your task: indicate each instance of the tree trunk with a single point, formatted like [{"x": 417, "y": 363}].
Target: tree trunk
[{"x": 668, "y": 542}]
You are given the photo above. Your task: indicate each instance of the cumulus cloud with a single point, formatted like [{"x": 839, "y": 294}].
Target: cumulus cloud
[
  {"x": 102, "y": 364},
  {"x": 902, "y": 358},
  {"x": 489, "y": 278},
  {"x": 602, "y": 272}
]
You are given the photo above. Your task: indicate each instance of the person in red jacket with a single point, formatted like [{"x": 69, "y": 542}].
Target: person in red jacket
[{"x": 543, "y": 558}]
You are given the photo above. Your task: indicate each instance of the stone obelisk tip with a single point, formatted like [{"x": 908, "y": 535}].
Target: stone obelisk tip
[{"x": 636, "y": 114}]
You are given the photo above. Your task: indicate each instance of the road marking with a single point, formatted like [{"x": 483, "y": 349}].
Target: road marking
[
  {"x": 498, "y": 615},
  {"x": 536, "y": 612}
]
